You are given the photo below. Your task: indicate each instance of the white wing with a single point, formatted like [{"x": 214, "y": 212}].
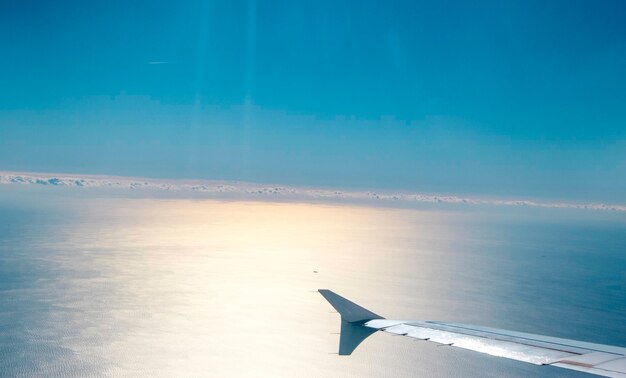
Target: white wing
[{"x": 604, "y": 360}]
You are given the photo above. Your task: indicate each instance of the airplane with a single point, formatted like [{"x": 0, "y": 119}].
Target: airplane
[{"x": 357, "y": 323}]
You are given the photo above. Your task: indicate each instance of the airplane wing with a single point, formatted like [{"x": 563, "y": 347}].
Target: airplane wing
[{"x": 357, "y": 323}]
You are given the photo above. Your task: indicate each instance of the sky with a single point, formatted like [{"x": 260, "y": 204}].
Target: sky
[{"x": 492, "y": 98}]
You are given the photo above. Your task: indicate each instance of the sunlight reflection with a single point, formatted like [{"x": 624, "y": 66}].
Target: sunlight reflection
[{"x": 213, "y": 283}]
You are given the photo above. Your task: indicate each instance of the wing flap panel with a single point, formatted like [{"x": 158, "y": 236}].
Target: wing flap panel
[
  {"x": 591, "y": 370},
  {"x": 614, "y": 365},
  {"x": 516, "y": 351},
  {"x": 591, "y": 359}
]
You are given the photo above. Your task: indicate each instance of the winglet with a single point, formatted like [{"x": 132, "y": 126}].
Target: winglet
[{"x": 352, "y": 318}]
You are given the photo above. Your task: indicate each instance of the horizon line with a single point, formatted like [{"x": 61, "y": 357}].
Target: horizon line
[{"x": 256, "y": 191}]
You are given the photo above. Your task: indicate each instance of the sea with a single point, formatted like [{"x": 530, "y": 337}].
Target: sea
[{"x": 125, "y": 283}]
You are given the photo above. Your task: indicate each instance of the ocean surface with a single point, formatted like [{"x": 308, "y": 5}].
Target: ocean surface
[{"x": 107, "y": 284}]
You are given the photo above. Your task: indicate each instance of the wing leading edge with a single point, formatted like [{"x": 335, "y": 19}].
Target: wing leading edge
[{"x": 357, "y": 324}]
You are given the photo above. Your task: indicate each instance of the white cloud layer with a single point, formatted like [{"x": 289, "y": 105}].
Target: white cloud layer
[{"x": 218, "y": 189}]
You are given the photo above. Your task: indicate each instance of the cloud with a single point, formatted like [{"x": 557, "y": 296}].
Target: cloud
[
  {"x": 217, "y": 189},
  {"x": 158, "y": 62}
]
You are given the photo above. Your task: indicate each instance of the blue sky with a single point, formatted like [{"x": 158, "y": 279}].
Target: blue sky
[{"x": 493, "y": 98}]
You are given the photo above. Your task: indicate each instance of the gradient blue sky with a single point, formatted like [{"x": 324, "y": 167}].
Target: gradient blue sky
[{"x": 524, "y": 98}]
